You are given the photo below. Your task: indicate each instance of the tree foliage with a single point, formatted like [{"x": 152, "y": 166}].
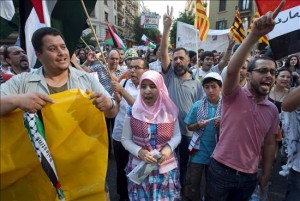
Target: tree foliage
[
  {"x": 152, "y": 34},
  {"x": 186, "y": 17}
]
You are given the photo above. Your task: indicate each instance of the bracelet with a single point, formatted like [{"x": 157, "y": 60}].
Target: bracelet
[{"x": 112, "y": 103}]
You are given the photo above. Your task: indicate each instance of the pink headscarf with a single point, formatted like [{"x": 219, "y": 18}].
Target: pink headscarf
[{"x": 163, "y": 111}]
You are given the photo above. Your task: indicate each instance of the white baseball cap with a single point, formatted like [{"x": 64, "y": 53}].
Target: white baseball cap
[{"x": 213, "y": 75}]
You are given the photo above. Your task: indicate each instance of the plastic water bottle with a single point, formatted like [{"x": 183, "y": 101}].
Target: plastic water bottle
[{"x": 258, "y": 196}]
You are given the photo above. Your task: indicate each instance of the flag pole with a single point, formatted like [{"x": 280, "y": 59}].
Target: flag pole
[
  {"x": 106, "y": 68},
  {"x": 93, "y": 30}
]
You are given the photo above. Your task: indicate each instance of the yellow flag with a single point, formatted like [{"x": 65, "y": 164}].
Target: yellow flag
[{"x": 76, "y": 135}]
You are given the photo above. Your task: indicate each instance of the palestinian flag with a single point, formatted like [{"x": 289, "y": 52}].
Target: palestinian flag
[
  {"x": 9, "y": 20},
  {"x": 285, "y": 37},
  {"x": 146, "y": 39},
  {"x": 65, "y": 15},
  {"x": 113, "y": 39}
]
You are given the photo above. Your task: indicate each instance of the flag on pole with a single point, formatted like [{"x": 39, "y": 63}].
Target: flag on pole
[
  {"x": 237, "y": 29},
  {"x": 65, "y": 15},
  {"x": 262, "y": 39},
  {"x": 146, "y": 39},
  {"x": 201, "y": 20},
  {"x": 8, "y": 19},
  {"x": 285, "y": 37},
  {"x": 113, "y": 39}
]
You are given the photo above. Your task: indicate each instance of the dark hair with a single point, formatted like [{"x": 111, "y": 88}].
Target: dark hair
[
  {"x": 146, "y": 64},
  {"x": 192, "y": 54},
  {"x": 206, "y": 54},
  {"x": 156, "y": 49},
  {"x": 81, "y": 49},
  {"x": 210, "y": 79},
  {"x": 6, "y": 52},
  {"x": 214, "y": 51},
  {"x": 287, "y": 62},
  {"x": 181, "y": 48},
  {"x": 200, "y": 50},
  {"x": 39, "y": 34},
  {"x": 252, "y": 62},
  {"x": 279, "y": 70}
]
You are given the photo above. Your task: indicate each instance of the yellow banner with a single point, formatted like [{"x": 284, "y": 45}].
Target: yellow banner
[{"x": 77, "y": 138}]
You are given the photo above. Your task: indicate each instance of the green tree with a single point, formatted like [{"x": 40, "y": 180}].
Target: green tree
[
  {"x": 152, "y": 34},
  {"x": 186, "y": 17}
]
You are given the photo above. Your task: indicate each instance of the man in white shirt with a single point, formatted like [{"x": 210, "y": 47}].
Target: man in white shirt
[{"x": 125, "y": 92}]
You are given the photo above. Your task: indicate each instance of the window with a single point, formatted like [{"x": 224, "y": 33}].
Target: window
[
  {"x": 105, "y": 2},
  {"x": 245, "y": 5},
  {"x": 222, "y": 5},
  {"x": 106, "y": 16},
  {"x": 220, "y": 25}
]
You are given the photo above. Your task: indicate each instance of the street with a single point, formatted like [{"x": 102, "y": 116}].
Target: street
[{"x": 277, "y": 188}]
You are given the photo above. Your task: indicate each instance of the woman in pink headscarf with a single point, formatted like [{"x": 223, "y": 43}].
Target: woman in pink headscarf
[{"x": 152, "y": 125}]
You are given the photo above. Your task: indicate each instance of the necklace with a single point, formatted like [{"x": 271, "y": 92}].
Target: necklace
[{"x": 280, "y": 96}]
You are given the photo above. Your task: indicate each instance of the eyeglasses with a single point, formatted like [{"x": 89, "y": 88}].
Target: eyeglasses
[
  {"x": 265, "y": 71},
  {"x": 136, "y": 67}
]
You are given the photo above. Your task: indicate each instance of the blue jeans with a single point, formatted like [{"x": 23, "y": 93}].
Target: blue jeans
[
  {"x": 183, "y": 157},
  {"x": 224, "y": 183},
  {"x": 293, "y": 189}
]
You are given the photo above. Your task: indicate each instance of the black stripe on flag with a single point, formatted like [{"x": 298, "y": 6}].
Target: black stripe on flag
[{"x": 285, "y": 44}]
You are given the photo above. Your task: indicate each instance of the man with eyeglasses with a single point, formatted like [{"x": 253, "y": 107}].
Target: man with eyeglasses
[
  {"x": 125, "y": 92},
  {"x": 249, "y": 123}
]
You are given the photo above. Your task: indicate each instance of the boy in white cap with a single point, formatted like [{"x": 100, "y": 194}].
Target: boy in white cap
[{"x": 204, "y": 120}]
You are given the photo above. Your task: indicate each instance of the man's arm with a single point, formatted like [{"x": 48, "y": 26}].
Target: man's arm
[
  {"x": 292, "y": 101},
  {"x": 31, "y": 102},
  {"x": 261, "y": 27},
  {"x": 165, "y": 58},
  {"x": 227, "y": 54},
  {"x": 268, "y": 155}
]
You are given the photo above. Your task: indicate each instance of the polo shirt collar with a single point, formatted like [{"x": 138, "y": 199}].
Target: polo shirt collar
[{"x": 263, "y": 102}]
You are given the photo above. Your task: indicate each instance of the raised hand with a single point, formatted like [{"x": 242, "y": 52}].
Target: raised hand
[
  {"x": 266, "y": 23},
  {"x": 168, "y": 18}
]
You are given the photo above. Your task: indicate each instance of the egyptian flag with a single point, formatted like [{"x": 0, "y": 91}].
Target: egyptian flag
[
  {"x": 113, "y": 39},
  {"x": 285, "y": 37},
  {"x": 65, "y": 15}
]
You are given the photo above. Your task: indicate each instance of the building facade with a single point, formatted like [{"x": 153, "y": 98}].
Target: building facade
[
  {"x": 221, "y": 13},
  {"x": 118, "y": 13}
]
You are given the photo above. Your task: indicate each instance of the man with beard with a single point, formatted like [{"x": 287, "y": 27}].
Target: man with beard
[
  {"x": 183, "y": 88},
  {"x": 249, "y": 123},
  {"x": 17, "y": 59},
  {"x": 125, "y": 92}
]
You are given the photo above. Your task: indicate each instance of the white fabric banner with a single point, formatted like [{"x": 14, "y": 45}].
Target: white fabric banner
[{"x": 187, "y": 35}]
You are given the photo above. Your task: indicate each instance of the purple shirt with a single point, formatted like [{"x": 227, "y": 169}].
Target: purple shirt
[{"x": 244, "y": 126}]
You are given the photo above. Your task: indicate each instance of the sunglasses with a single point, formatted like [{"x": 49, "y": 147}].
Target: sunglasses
[{"x": 265, "y": 71}]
